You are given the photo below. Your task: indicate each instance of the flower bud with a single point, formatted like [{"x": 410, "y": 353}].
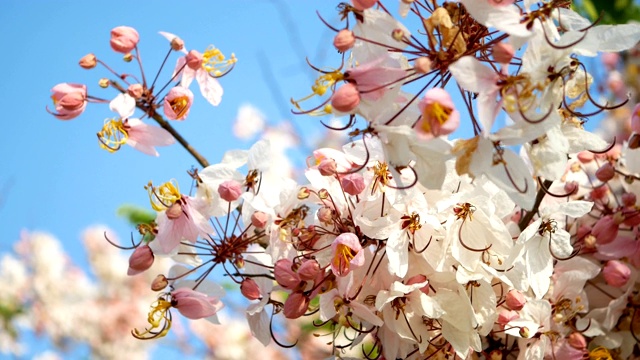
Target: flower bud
[
  {"x": 295, "y": 305},
  {"x": 628, "y": 199},
  {"x": 249, "y": 288},
  {"x": 515, "y": 300},
  {"x": 259, "y": 219},
  {"x": 605, "y": 230},
  {"x": 325, "y": 214},
  {"x": 363, "y": 4},
  {"x": 577, "y": 341},
  {"x": 141, "y": 259},
  {"x": 327, "y": 167},
  {"x": 135, "y": 91},
  {"x": 352, "y": 184},
  {"x": 177, "y": 103},
  {"x": 635, "y": 119},
  {"x": 285, "y": 276},
  {"x": 127, "y": 57},
  {"x": 88, "y": 61},
  {"x": 230, "y": 190},
  {"x": 104, "y": 83},
  {"x": 194, "y": 60},
  {"x": 616, "y": 273},
  {"x": 344, "y": 40},
  {"x": 585, "y": 156},
  {"x": 309, "y": 270},
  {"x": 174, "y": 211},
  {"x": 346, "y": 98},
  {"x": 503, "y": 52},
  {"x": 606, "y": 172},
  {"x": 599, "y": 192},
  {"x": 571, "y": 187},
  {"x": 159, "y": 283},
  {"x": 610, "y": 60},
  {"x": 397, "y": 34},
  {"x": 177, "y": 44},
  {"x": 124, "y": 39},
  {"x": 70, "y": 100},
  {"x": 422, "y": 65},
  {"x": 416, "y": 279},
  {"x": 505, "y": 316}
]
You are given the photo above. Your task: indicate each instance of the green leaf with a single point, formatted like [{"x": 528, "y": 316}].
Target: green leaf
[{"x": 136, "y": 215}]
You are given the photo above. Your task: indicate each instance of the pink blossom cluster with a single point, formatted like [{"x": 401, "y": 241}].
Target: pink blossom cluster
[{"x": 519, "y": 241}]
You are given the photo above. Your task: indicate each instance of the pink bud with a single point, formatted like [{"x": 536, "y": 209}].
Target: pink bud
[
  {"x": 616, "y": 273},
  {"x": 635, "y": 119},
  {"x": 352, "y": 184},
  {"x": 515, "y": 300},
  {"x": 610, "y": 60},
  {"x": 249, "y": 288},
  {"x": 577, "y": 341},
  {"x": 346, "y": 98},
  {"x": 505, "y": 316},
  {"x": 629, "y": 199},
  {"x": 295, "y": 305},
  {"x": 159, "y": 283},
  {"x": 327, "y": 167},
  {"x": 363, "y": 4},
  {"x": 344, "y": 40},
  {"x": 631, "y": 217},
  {"x": 571, "y": 187},
  {"x": 193, "y": 304},
  {"x": 230, "y": 190},
  {"x": 599, "y": 192},
  {"x": 503, "y": 52},
  {"x": 141, "y": 259},
  {"x": 325, "y": 214},
  {"x": 606, "y": 172},
  {"x": 605, "y": 230},
  {"x": 417, "y": 279},
  {"x": 422, "y": 65},
  {"x": 285, "y": 276},
  {"x": 585, "y": 157},
  {"x": 174, "y": 211},
  {"x": 194, "y": 59},
  {"x": 135, "y": 91},
  {"x": 309, "y": 270},
  {"x": 177, "y": 103},
  {"x": 259, "y": 219},
  {"x": 88, "y": 61},
  {"x": 346, "y": 253},
  {"x": 439, "y": 115},
  {"x": 124, "y": 39},
  {"x": 70, "y": 100}
]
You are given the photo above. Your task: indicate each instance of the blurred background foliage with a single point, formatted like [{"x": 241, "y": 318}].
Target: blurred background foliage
[{"x": 610, "y": 11}]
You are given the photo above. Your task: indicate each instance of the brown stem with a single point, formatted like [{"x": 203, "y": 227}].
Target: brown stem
[
  {"x": 165, "y": 125},
  {"x": 527, "y": 218}
]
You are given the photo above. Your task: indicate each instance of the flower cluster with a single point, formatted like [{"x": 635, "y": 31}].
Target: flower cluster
[{"x": 519, "y": 241}]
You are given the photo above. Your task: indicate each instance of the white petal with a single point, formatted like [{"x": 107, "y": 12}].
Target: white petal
[{"x": 209, "y": 87}]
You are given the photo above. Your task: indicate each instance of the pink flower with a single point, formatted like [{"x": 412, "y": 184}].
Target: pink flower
[
  {"x": 503, "y": 52},
  {"x": 616, "y": 273},
  {"x": 141, "y": 260},
  {"x": 285, "y": 276},
  {"x": 346, "y": 253},
  {"x": 177, "y": 103},
  {"x": 374, "y": 77},
  {"x": 605, "y": 230},
  {"x": 124, "y": 39},
  {"x": 439, "y": 116},
  {"x": 178, "y": 222},
  {"x": 70, "y": 100},
  {"x": 195, "y": 305}
]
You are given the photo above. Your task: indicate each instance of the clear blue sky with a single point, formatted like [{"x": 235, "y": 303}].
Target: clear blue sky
[{"x": 55, "y": 178}]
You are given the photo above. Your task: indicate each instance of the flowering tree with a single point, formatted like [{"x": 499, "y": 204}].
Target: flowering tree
[{"x": 405, "y": 242}]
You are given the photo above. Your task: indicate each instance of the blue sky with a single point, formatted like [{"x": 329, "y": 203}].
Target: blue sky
[{"x": 55, "y": 178}]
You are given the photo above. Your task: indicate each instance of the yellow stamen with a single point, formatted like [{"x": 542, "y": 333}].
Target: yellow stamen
[
  {"x": 164, "y": 196},
  {"x": 215, "y": 63},
  {"x": 113, "y": 135},
  {"x": 343, "y": 256},
  {"x": 600, "y": 353},
  {"x": 180, "y": 105},
  {"x": 436, "y": 111},
  {"x": 158, "y": 318},
  {"x": 323, "y": 83}
]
